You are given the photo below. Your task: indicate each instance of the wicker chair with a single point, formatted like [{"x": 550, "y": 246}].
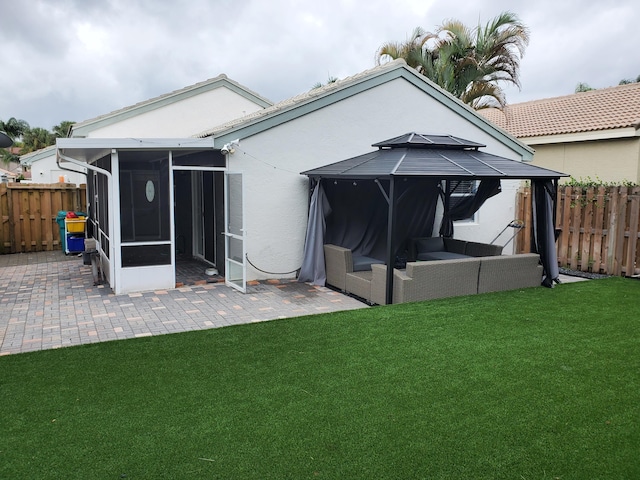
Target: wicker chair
[{"x": 348, "y": 273}]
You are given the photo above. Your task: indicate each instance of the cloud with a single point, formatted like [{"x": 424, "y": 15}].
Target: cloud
[{"x": 73, "y": 59}]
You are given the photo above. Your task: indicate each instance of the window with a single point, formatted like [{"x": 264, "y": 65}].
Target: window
[{"x": 460, "y": 189}]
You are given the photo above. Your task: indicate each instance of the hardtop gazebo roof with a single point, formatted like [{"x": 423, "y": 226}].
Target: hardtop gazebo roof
[{"x": 437, "y": 156}]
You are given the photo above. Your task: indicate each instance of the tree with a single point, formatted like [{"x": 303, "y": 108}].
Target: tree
[
  {"x": 32, "y": 138},
  {"x": 583, "y": 87},
  {"x": 62, "y": 129},
  {"x": 468, "y": 63},
  {"x": 330, "y": 80},
  {"x": 35, "y": 139},
  {"x": 627, "y": 81},
  {"x": 14, "y": 128}
]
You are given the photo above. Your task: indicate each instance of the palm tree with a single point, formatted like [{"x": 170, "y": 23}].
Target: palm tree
[
  {"x": 62, "y": 129},
  {"x": 37, "y": 138},
  {"x": 14, "y": 128},
  {"x": 468, "y": 63},
  {"x": 330, "y": 80}
]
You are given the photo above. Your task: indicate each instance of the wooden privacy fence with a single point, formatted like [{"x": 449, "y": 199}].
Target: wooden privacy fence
[
  {"x": 598, "y": 228},
  {"x": 29, "y": 214}
]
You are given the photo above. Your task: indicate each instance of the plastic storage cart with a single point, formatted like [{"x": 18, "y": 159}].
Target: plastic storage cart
[{"x": 74, "y": 229}]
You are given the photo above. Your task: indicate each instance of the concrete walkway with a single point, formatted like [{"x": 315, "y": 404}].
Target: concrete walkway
[{"x": 47, "y": 300}]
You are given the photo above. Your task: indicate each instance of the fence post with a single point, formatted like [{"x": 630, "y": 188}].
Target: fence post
[
  {"x": 631, "y": 263},
  {"x": 611, "y": 232},
  {"x": 598, "y": 232}
]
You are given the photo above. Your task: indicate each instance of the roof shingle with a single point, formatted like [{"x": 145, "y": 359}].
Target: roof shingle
[{"x": 595, "y": 110}]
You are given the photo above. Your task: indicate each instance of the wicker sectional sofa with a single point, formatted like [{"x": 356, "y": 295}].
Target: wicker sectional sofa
[
  {"x": 449, "y": 278},
  {"x": 464, "y": 274}
]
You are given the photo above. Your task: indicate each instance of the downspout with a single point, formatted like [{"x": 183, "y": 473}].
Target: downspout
[
  {"x": 73, "y": 161},
  {"x": 65, "y": 168}
]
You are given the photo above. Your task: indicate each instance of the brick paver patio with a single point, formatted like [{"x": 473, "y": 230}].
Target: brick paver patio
[{"x": 48, "y": 300}]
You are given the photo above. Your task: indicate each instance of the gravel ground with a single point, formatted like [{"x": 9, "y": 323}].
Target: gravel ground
[{"x": 577, "y": 273}]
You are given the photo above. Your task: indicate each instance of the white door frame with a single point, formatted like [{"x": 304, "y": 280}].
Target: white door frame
[{"x": 234, "y": 232}]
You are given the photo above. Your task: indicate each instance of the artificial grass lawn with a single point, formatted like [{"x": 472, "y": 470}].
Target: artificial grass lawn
[{"x": 526, "y": 384}]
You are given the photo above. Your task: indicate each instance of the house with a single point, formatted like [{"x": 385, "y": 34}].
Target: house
[
  {"x": 592, "y": 134},
  {"x": 180, "y": 113},
  {"x": 252, "y": 203},
  {"x": 43, "y": 168},
  {"x": 7, "y": 175}
]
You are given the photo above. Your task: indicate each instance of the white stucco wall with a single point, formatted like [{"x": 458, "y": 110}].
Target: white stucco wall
[
  {"x": 276, "y": 195},
  {"x": 185, "y": 118},
  {"x": 46, "y": 170}
]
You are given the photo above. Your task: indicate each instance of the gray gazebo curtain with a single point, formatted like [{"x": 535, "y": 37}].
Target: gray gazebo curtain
[
  {"x": 313, "y": 267},
  {"x": 544, "y": 233},
  {"x": 360, "y": 215},
  {"x": 469, "y": 205}
]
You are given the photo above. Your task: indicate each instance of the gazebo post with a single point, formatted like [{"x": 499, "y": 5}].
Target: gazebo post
[{"x": 390, "y": 243}]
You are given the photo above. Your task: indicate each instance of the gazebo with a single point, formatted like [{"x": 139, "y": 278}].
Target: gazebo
[{"x": 374, "y": 203}]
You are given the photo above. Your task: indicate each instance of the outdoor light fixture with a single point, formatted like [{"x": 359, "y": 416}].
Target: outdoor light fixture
[{"x": 227, "y": 148}]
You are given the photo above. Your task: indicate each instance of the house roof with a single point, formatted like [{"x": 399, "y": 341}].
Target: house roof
[
  {"x": 595, "y": 110},
  {"x": 82, "y": 128},
  {"x": 317, "y": 98},
  {"x": 88, "y": 149},
  {"x": 29, "y": 158},
  {"x": 411, "y": 156},
  {"x": 8, "y": 173}
]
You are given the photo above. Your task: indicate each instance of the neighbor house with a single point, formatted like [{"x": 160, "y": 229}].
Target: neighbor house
[
  {"x": 7, "y": 175},
  {"x": 180, "y": 113},
  {"x": 594, "y": 134},
  {"x": 251, "y": 194},
  {"x": 43, "y": 168}
]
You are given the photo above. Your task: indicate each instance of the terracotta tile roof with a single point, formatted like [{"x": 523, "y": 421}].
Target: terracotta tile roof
[{"x": 596, "y": 110}]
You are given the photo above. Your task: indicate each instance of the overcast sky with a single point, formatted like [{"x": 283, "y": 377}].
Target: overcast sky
[{"x": 77, "y": 59}]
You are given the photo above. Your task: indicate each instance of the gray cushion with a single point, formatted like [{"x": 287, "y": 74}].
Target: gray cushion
[
  {"x": 433, "y": 244},
  {"x": 362, "y": 263},
  {"x": 440, "y": 256}
]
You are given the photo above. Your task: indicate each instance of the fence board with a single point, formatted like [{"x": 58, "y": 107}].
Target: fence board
[
  {"x": 631, "y": 235},
  {"x": 611, "y": 231},
  {"x": 586, "y": 258},
  {"x": 46, "y": 219},
  {"x": 576, "y": 221},
  {"x": 598, "y": 231},
  {"x": 565, "y": 226},
  {"x": 28, "y": 214},
  {"x": 523, "y": 209},
  {"x": 620, "y": 232}
]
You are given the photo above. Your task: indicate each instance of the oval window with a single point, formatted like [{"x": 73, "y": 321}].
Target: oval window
[{"x": 150, "y": 191}]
